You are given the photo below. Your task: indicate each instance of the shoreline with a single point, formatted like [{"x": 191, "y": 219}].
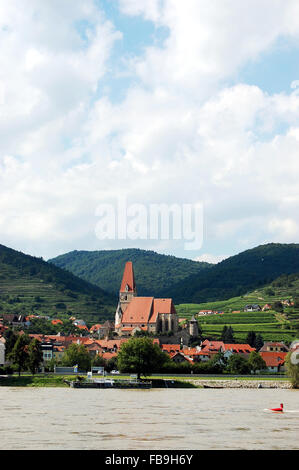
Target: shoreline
[
  {"x": 174, "y": 382},
  {"x": 236, "y": 383}
]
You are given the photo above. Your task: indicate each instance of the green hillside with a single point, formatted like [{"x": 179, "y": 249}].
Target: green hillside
[
  {"x": 274, "y": 325},
  {"x": 31, "y": 285},
  {"x": 238, "y": 274},
  {"x": 154, "y": 273}
]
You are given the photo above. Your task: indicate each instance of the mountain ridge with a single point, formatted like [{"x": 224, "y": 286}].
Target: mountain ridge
[
  {"x": 181, "y": 279},
  {"x": 30, "y": 285}
]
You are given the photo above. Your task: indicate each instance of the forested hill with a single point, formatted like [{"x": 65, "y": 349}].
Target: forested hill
[
  {"x": 238, "y": 274},
  {"x": 31, "y": 285},
  {"x": 154, "y": 273}
]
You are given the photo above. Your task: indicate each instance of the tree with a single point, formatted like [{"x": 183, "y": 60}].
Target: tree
[
  {"x": 223, "y": 334},
  {"x": 251, "y": 339},
  {"x": 259, "y": 342},
  {"x": 218, "y": 362},
  {"x": 227, "y": 335},
  {"x": 10, "y": 340},
  {"x": 77, "y": 354},
  {"x": 237, "y": 365},
  {"x": 98, "y": 361},
  {"x": 292, "y": 365},
  {"x": 278, "y": 307},
  {"x": 19, "y": 353},
  {"x": 35, "y": 355},
  {"x": 140, "y": 355},
  {"x": 256, "y": 362}
]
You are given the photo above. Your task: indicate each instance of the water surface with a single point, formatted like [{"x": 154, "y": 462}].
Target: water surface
[{"x": 82, "y": 419}]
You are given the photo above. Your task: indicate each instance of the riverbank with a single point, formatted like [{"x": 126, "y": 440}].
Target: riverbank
[
  {"x": 169, "y": 382},
  {"x": 241, "y": 383}
]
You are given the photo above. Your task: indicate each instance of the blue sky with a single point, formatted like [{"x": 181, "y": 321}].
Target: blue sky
[{"x": 161, "y": 102}]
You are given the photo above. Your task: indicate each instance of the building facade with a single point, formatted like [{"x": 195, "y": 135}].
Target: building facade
[{"x": 148, "y": 314}]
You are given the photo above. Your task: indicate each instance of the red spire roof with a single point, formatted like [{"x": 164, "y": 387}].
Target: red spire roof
[{"x": 128, "y": 279}]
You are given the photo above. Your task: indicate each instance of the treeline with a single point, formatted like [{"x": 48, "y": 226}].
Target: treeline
[
  {"x": 239, "y": 274},
  {"x": 154, "y": 273}
]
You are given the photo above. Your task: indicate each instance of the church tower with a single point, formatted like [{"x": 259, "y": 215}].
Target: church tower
[
  {"x": 127, "y": 291},
  {"x": 193, "y": 327}
]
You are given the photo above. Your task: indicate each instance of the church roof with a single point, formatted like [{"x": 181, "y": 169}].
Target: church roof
[
  {"x": 128, "y": 278},
  {"x": 146, "y": 309},
  {"x": 161, "y": 306},
  {"x": 139, "y": 310}
]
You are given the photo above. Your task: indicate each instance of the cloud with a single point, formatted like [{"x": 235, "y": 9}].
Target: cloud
[
  {"x": 210, "y": 258},
  {"x": 181, "y": 134},
  {"x": 209, "y": 41}
]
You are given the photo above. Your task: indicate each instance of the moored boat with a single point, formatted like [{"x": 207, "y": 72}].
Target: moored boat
[{"x": 111, "y": 383}]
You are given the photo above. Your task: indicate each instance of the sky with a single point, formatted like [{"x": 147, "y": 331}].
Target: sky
[{"x": 146, "y": 103}]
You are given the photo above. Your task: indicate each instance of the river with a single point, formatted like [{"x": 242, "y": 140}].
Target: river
[{"x": 172, "y": 419}]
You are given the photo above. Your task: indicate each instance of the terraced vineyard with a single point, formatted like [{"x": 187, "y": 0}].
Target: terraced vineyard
[
  {"x": 30, "y": 285},
  {"x": 272, "y": 325}
]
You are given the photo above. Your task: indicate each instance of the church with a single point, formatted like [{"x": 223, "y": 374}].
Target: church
[{"x": 135, "y": 313}]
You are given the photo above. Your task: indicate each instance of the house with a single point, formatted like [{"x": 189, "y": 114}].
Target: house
[
  {"x": 206, "y": 312},
  {"x": 102, "y": 330},
  {"x": 47, "y": 350},
  {"x": 252, "y": 308},
  {"x": 179, "y": 357},
  {"x": 287, "y": 303},
  {"x": 266, "y": 307},
  {"x": 58, "y": 352},
  {"x": 274, "y": 360},
  {"x": 213, "y": 347},
  {"x": 146, "y": 314},
  {"x": 15, "y": 320},
  {"x": 171, "y": 348},
  {"x": 242, "y": 349},
  {"x": 209, "y": 348},
  {"x": 271, "y": 346}
]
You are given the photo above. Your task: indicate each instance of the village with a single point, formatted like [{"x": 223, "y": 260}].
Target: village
[{"x": 142, "y": 316}]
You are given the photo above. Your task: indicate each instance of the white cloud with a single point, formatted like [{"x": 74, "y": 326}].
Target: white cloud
[
  {"x": 179, "y": 136},
  {"x": 210, "y": 258},
  {"x": 209, "y": 41}
]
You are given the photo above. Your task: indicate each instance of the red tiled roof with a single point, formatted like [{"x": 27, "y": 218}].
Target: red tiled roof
[
  {"x": 138, "y": 311},
  {"x": 273, "y": 358},
  {"x": 190, "y": 351},
  {"x": 239, "y": 348},
  {"x": 111, "y": 343},
  {"x": 95, "y": 327},
  {"x": 108, "y": 355},
  {"x": 171, "y": 347},
  {"x": 161, "y": 306},
  {"x": 128, "y": 278},
  {"x": 56, "y": 321},
  {"x": 146, "y": 309},
  {"x": 211, "y": 346}
]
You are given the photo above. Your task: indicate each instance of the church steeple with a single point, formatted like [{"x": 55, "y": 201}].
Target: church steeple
[
  {"x": 127, "y": 288},
  {"x": 128, "y": 280}
]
